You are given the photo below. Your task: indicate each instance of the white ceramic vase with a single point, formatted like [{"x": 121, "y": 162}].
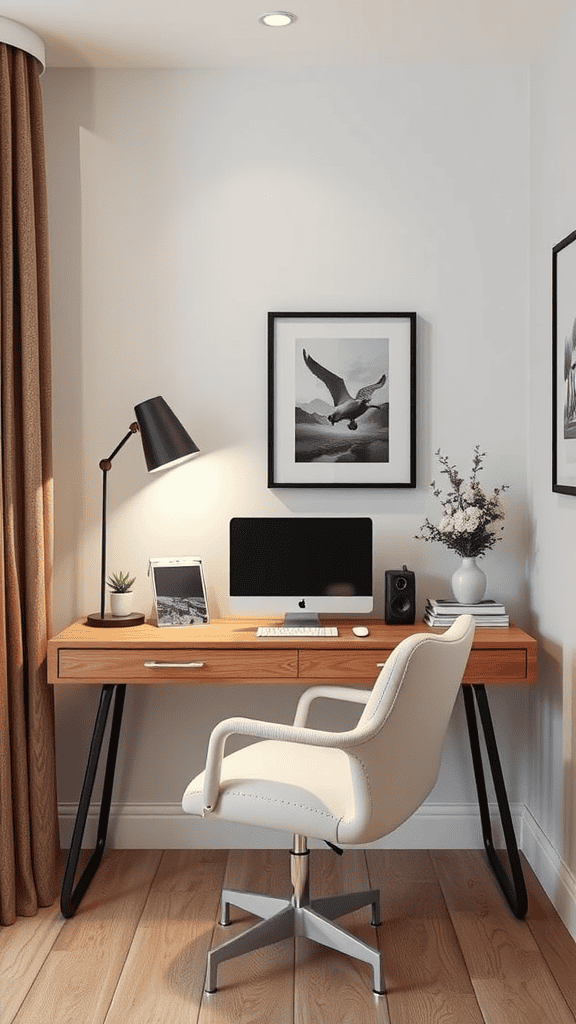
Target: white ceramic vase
[
  {"x": 121, "y": 604},
  {"x": 468, "y": 582}
]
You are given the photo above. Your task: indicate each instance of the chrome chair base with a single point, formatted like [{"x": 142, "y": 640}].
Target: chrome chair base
[{"x": 312, "y": 919}]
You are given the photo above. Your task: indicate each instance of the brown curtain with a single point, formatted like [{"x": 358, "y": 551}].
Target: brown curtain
[{"x": 28, "y": 809}]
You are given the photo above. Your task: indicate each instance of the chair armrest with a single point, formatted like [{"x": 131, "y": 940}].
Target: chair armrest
[
  {"x": 348, "y": 693},
  {"x": 264, "y": 731}
]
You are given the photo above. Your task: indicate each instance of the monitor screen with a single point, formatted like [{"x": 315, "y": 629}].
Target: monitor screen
[{"x": 301, "y": 566}]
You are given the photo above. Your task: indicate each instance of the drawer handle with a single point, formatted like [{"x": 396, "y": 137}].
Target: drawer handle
[
  {"x": 380, "y": 664},
  {"x": 173, "y": 664}
]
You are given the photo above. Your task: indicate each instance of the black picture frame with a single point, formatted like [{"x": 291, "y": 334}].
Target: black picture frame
[
  {"x": 564, "y": 365},
  {"x": 319, "y": 433}
]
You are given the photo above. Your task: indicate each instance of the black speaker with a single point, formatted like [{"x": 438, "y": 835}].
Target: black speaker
[{"x": 399, "y": 597}]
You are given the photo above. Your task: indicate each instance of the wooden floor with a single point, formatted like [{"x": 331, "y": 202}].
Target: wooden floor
[{"x": 135, "y": 951}]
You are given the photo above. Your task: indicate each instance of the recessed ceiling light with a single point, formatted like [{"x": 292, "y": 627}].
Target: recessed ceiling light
[{"x": 277, "y": 19}]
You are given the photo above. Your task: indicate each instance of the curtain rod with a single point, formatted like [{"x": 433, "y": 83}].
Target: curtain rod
[{"x": 15, "y": 34}]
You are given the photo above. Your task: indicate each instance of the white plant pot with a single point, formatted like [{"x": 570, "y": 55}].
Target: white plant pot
[
  {"x": 121, "y": 604},
  {"x": 469, "y": 582}
]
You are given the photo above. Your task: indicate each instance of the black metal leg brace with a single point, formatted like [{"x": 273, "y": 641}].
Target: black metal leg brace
[
  {"x": 514, "y": 888},
  {"x": 70, "y": 898}
]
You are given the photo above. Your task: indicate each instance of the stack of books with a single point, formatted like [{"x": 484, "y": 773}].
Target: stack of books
[{"x": 486, "y": 613}]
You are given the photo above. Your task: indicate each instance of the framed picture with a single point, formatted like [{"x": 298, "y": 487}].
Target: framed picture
[
  {"x": 564, "y": 365},
  {"x": 179, "y": 591},
  {"x": 341, "y": 399}
]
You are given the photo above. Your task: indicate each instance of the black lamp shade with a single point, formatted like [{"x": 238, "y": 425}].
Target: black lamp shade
[{"x": 164, "y": 439}]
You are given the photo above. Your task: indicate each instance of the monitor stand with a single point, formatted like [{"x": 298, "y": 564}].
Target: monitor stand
[{"x": 305, "y": 619}]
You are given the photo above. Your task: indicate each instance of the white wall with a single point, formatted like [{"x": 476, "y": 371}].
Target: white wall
[
  {"x": 552, "y": 550},
  {"x": 184, "y": 206}
]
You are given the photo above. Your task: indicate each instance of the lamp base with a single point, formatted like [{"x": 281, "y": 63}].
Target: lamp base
[{"x": 115, "y": 621}]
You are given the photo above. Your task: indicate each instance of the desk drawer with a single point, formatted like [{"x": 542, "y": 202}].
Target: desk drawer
[
  {"x": 484, "y": 666},
  {"x": 341, "y": 664},
  {"x": 157, "y": 666},
  {"x": 504, "y": 666}
]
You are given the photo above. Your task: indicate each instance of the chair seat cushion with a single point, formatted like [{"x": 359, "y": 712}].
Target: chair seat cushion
[{"x": 274, "y": 784}]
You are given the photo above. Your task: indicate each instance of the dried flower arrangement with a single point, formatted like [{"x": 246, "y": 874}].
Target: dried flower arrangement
[{"x": 468, "y": 512}]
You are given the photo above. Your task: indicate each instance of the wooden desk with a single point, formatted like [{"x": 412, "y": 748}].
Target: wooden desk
[{"x": 227, "y": 652}]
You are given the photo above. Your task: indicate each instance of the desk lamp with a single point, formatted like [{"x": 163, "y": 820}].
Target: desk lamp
[{"x": 165, "y": 443}]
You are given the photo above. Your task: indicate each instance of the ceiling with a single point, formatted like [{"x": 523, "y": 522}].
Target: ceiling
[{"x": 227, "y": 34}]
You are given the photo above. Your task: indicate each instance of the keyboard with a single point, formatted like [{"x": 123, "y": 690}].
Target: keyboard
[{"x": 269, "y": 632}]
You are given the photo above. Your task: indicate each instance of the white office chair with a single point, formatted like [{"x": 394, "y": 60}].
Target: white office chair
[{"x": 345, "y": 787}]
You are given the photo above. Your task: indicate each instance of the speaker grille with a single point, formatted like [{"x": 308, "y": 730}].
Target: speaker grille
[{"x": 399, "y": 597}]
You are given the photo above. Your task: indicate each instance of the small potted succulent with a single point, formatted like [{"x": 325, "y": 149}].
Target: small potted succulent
[{"x": 120, "y": 584}]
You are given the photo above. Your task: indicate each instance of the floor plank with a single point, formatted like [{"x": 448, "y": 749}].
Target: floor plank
[
  {"x": 554, "y": 940},
  {"x": 427, "y": 979},
  {"x": 24, "y": 947},
  {"x": 81, "y": 971},
  {"x": 162, "y": 980},
  {"x": 258, "y": 986},
  {"x": 510, "y": 976},
  {"x": 330, "y": 986}
]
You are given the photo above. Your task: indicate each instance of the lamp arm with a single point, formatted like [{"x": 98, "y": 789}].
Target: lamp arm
[{"x": 106, "y": 466}]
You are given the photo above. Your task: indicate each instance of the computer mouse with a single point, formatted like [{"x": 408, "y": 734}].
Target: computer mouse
[{"x": 360, "y": 630}]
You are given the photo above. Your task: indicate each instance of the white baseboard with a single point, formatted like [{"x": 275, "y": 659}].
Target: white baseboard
[
  {"x": 166, "y": 826},
  {"x": 552, "y": 872}
]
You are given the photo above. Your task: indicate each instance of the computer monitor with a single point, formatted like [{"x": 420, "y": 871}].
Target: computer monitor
[{"x": 301, "y": 566}]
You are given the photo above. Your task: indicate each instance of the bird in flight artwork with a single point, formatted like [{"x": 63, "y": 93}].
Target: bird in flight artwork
[{"x": 345, "y": 407}]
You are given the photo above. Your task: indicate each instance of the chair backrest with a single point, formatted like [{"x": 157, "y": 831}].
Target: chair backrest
[{"x": 396, "y": 760}]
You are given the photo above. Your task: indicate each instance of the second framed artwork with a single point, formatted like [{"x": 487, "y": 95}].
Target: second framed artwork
[
  {"x": 564, "y": 365},
  {"x": 341, "y": 399}
]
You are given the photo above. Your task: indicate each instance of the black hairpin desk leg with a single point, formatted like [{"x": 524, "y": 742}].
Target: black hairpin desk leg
[
  {"x": 71, "y": 898},
  {"x": 514, "y": 887}
]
